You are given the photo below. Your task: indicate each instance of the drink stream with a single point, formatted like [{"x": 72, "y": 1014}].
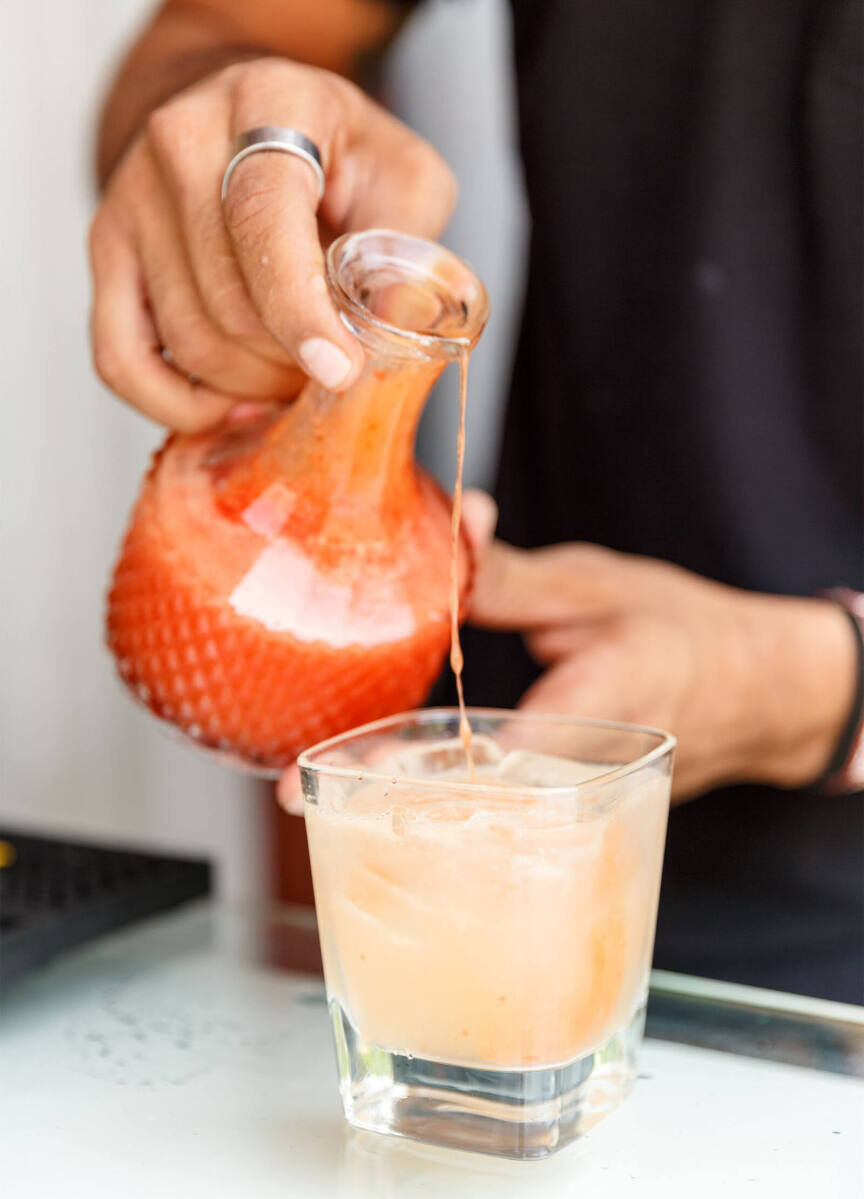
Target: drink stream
[{"x": 457, "y": 661}]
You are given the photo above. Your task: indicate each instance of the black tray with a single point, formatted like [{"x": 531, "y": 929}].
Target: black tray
[{"x": 57, "y": 894}]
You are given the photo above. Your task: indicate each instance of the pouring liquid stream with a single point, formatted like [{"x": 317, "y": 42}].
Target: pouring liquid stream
[{"x": 457, "y": 660}]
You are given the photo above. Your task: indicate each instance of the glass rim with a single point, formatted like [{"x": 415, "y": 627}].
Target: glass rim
[
  {"x": 666, "y": 746},
  {"x": 430, "y": 345}
]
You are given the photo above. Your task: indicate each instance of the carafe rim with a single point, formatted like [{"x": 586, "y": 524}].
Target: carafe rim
[{"x": 451, "y": 282}]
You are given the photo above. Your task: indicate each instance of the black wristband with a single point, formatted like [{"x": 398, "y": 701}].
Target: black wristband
[{"x": 831, "y": 779}]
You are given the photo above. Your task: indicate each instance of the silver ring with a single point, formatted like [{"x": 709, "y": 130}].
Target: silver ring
[{"x": 274, "y": 137}]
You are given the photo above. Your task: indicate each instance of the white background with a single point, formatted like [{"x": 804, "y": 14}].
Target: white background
[{"x": 75, "y": 755}]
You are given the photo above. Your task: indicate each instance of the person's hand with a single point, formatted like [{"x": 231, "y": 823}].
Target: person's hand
[
  {"x": 755, "y": 687},
  {"x": 235, "y": 294}
]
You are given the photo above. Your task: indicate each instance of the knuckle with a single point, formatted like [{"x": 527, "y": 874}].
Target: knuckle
[
  {"x": 173, "y": 132},
  {"x": 105, "y": 238},
  {"x": 432, "y": 175},
  {"x": 581, "y": 553},
  {"x": 251, "y": 82},
  {"x": 436, "y": 166},
  {"x": 162, "y": 129},
  {"x": 244, "y": 85},
  {"x": 108, "y": 362},
  {"x": 130, "y": 186},
  {"x": 96, "y": 236},
  {"x": 428, "y": 157},
  {"x": 190, "y": 417},
  {"x": 600, "y": 557},
  {"x": 534, "y": 643},
  {"x": 311, "y": 97},
  {"x": 450, "y": 185},
  {"x": 249, "y": 79},
  {"x": 231, "y": 76},
  {"x": 174, "y": 137},
  {"x": 339, "y": 92},
  {"x": 543, "y": 648}
]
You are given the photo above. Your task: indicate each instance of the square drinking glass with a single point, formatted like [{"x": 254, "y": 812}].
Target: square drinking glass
[{"x": 487, "y": 942}]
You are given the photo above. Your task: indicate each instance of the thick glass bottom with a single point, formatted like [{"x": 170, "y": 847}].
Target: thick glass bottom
[{"x": 513, "y": 1113}]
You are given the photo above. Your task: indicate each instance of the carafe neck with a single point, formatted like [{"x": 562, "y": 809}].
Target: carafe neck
[{"x": 415, "y": 307}]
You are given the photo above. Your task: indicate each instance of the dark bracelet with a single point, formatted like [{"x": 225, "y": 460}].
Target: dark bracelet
[{"x": 844, "y": 772}]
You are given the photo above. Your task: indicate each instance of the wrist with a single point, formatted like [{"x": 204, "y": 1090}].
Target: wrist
[
  {"x": 175, "y": 53},
  {"x": 804, "y": 673}
]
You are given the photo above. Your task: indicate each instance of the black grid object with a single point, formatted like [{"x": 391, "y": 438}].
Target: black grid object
[{"x": 57, "y": 894}]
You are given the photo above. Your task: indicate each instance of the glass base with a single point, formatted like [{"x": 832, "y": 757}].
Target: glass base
[{"x": 521, "y": 1114}]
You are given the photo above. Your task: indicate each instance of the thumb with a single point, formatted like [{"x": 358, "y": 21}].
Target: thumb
[
  {"x": 559, "y": 584},
  {"x": 289, "y": 792},
  {"x": 479, "y": 518}
]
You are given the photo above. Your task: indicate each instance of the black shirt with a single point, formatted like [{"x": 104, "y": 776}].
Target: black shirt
[{"x": 688, "y": 385}]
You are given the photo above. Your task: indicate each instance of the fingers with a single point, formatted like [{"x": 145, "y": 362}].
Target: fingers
[
  {"x": 550, "y": 643},
  {"x": 378, "y": 173},
  {"x": 197, "y": 347},
  {"x": 189, "y": 140},
  {"x": 390, "y": 178},
  {"x": 529, "y": 589},
  {"x": 126, "y": 348},
  {"x": 590, "y": 685},
  {"x": 596, "y": 685},
  {"x": 479, "y": 518},
  {"x": 237, "y": 292},
  {"x": 270, "y": 212},
  {"x": 559, "y": 690},
  {"x": 270, "y": 215},
  {"x": 289, "y": 792}
]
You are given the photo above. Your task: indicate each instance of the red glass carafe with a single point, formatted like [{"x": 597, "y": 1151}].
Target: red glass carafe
[{"x": 284, "y": 580}]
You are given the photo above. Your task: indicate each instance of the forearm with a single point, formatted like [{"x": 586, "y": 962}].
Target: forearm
[
  {"x": 187, "y": 41},
  {"x": 176, "y": 50}
]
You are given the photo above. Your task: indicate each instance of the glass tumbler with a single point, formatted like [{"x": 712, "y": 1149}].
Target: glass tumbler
[{"x": 487, "y": 935}]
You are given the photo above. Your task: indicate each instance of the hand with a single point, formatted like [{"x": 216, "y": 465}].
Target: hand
[
  {"x": 755, "y": 687},
  {"x": 236, "y": 293}
]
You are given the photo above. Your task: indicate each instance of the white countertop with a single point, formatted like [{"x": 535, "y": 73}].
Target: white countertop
[{"x": 158, "y": 1063}]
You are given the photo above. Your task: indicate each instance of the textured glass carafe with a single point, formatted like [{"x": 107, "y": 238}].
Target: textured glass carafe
[{"x": 286, "y": 579}]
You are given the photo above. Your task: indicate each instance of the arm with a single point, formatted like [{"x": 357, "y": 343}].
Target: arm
[
  {"x": 186, "y": 41},
  {"x": 236, "y": 292}
]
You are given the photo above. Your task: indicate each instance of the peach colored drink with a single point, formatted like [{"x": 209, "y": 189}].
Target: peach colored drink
[
  {"x": 502, "y": 924},
  {"x": 492, "y": 931}
]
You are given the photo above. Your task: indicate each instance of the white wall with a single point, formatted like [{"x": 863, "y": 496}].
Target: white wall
[{"x": 75, "y": 755}]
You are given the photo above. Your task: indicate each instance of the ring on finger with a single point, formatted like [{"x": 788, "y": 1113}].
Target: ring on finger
[{"x": 275, "y": 137}]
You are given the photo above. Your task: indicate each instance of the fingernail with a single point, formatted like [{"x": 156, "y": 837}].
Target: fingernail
[{"x": 326, "y": 362}]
